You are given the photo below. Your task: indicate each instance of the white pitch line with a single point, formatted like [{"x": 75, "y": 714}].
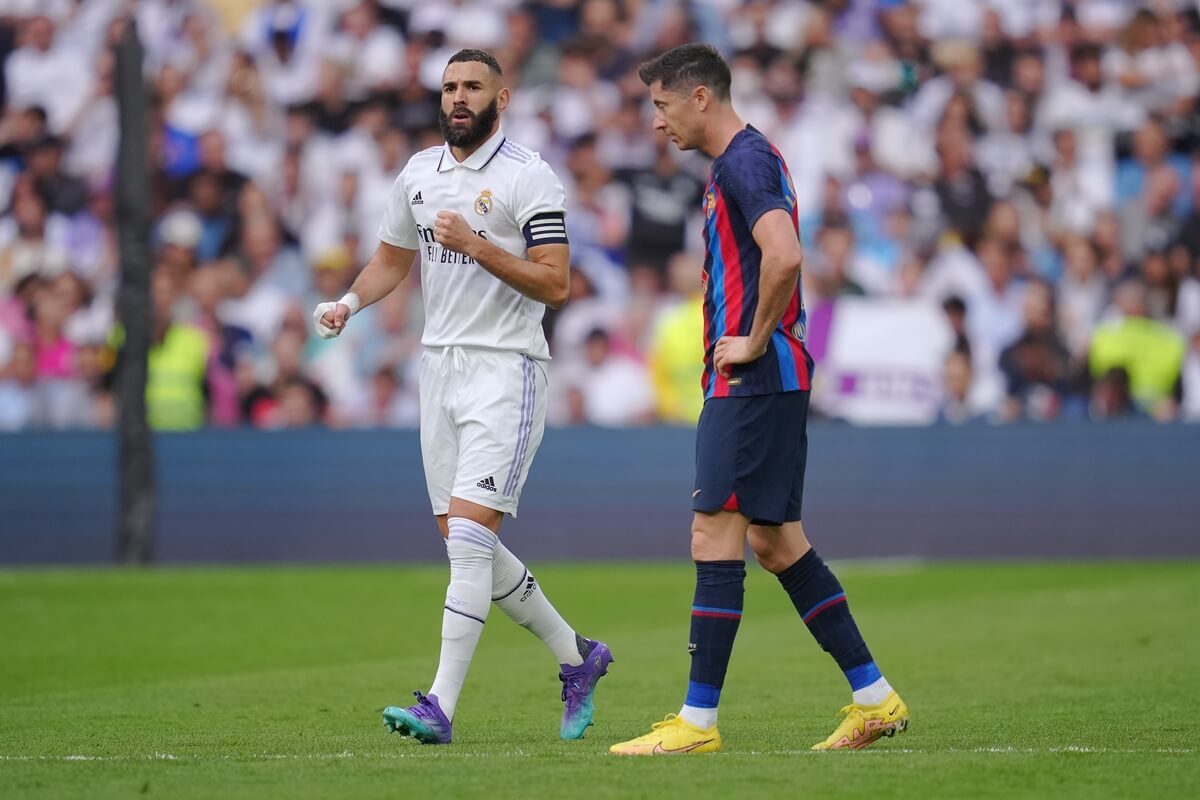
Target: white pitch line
[{"x": 521, "y": 754}]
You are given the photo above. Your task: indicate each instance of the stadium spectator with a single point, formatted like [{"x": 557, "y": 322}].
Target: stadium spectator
[
  {"x": 19, "y": 129},
  {"x": 1187, "y": 302},
  {"x": 1097, "y": 111},
  {"x": 19, "y": 406},
  {"x": 1080, "y": 191},
  {"x": 957, "y": 407},
  {"x": 47, "y": 72},
  {"x": 1189, "y": 228},
  {"x": 391, "y": 406},
  {"x": 961, "y": 189},
  {"x": 1191, "y": 379},
  {"x": 1148, "y": 352},
  {"x": 31, "y": 238},
  {"x": 1106, "y": 237},
  {"x": 1111, "y": 397},
  {"x": 63, "y": 194},
  {"x": 300, "y": 403},
  {"x": 1147, "y": 221},
  {"x": 996, "y": 305},
  {"x": 613, "y": 389},
  {"x": 955, "y": 309},
  {"x": 1155, "y": 72},
  {"x": 961, "y": 81},
  {"x": 1082, "y": 294},
  {"x": 228, "y": 345},
  {"x": 1037, "y": 366},
  {"x": 831, "y": 269},
  {"x": 176, "y": 395},
  {"x": 275, "y": 398},
  {"x": 676, "y": 359},
  {"x": 662, "y": 200},
  {"x": 1006, "y": 154}
]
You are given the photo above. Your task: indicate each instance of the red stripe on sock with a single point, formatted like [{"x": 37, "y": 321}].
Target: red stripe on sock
[
  {"x": 824, "y": 606},
  {"x": 717, "y": 614}
]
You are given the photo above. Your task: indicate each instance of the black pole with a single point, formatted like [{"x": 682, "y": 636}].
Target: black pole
[{"x": 135, "y": 535}]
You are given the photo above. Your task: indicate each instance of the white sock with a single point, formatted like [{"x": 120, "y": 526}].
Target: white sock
[
  {"x": 703, "y": 718},
  {"x": 519, "y": 596},
  {"x": 470, "y": 548},
  {"x": 874, "y": 694}
]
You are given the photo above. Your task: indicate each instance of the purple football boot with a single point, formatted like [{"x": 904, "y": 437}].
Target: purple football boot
[
  {"x": 579, "y": 684},
  {"x": 424, "y": 721}
]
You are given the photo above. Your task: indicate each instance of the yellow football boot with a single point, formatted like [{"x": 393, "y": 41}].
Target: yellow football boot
[
  {"x": 673, "y": 736},
  {"x": 865, "y": 725}
]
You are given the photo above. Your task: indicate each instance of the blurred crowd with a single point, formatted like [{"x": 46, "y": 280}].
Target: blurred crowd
[{"x": 1029, "y": 166}]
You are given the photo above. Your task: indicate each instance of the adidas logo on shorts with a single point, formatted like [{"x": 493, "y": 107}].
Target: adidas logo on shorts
[
  {"x": 417, "y": 201},
  {"x": 487, "y": 483}
]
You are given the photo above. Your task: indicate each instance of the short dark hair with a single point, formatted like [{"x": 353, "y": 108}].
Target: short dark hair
[
  {"x": 689, "y": 66},
  {"x": 482, "y": 56},
  {"x": 1086, "y": 52},
  {"x": 954, "y": 305}
]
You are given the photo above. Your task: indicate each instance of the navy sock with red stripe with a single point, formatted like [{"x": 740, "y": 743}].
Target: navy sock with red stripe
[
  {"x": 818, "y": 596},
  {"x": 716, "y": 613}
]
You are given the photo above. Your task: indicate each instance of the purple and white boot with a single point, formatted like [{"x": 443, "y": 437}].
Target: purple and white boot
[
  {"x": 579, "y": 684},
  {"x": 425, "y": 721}
]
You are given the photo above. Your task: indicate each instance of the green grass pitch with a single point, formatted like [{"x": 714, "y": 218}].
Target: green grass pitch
[{"x": 1042, "y": 680}]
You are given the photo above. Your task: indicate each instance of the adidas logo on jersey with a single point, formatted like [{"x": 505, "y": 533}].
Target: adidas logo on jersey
[
  {"x": 417, "y": 201},
  {"x": 487, "y": 483}
]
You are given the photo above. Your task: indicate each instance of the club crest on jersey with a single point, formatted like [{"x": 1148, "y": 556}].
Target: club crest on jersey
[
  {"x": 710, "y": 203},
  {"x": 483, "y": 203}
]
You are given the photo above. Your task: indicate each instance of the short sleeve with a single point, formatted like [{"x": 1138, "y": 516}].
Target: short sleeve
[
  {"x": 398, "y": 227},
  {"x": 753, "y": 182},
  {"x": 540, "y": 205}
]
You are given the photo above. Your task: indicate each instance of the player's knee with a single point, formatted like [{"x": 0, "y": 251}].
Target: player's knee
[
  {"x": 764, "y": 560},
  {"x": 716, "y": 542},
  {"x": 489, "y": 518},
  {"x": 701, "y": 544},
  {"x": 768, "y": 556}
]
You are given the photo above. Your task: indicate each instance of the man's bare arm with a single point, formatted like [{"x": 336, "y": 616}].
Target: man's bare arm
[
  {"x": 383, "y": 273},
  {"x": 782, "y": 257},
  {"x": 545, "y": 276}
]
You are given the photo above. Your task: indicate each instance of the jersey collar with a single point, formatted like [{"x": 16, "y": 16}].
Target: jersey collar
[{"x": 477, "y": 160}]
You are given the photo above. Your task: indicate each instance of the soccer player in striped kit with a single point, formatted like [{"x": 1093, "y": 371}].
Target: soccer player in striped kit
[
  {"x": 751, "y": 443},
  {"x": 488, "y": 218}
]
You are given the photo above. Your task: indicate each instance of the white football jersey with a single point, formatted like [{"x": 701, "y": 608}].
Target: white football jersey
[{"x": 508, "y": 196}]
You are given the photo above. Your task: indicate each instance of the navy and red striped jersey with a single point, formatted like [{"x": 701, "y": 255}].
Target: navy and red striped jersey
[{"x": 749, "y": 179}]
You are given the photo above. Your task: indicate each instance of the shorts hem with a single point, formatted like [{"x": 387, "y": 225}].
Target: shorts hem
[{"x": 503, "y": 505}]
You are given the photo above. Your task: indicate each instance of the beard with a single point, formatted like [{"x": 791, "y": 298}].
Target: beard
[{"x": 475, "y": 133}]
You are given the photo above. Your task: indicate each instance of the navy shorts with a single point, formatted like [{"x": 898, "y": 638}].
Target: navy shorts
[{"x": 750, "y": 456}]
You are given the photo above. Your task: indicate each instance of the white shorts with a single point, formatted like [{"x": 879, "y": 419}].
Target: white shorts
[{"x": 483, "y": 413}]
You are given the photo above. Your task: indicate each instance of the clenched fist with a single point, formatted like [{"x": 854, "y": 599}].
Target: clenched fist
[
  {"x": 330, "y": 319},
  {"x": 452, "y": 232}
]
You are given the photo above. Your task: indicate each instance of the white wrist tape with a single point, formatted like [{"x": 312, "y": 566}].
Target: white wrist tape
[
  {"x": 323, "y": 330},
  {"x": 351, "y": 301}
]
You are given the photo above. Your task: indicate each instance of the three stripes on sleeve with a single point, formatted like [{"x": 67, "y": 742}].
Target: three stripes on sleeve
[{"x": 546, "y": 228}]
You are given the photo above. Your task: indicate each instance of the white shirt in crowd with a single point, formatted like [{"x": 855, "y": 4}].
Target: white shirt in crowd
[
  {"x": 58, "y": 80},
  {"x": 617, "y": 393}
]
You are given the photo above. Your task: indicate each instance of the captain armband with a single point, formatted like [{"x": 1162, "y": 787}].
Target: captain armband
[{"x": 547, "y": 228}]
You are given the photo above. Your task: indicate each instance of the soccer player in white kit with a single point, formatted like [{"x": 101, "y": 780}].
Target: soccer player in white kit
[{"x": 488, "y": 217}]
